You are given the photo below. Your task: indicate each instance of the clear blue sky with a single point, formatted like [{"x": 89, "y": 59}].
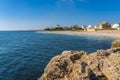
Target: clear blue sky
[{"x": 38, "y": 14}]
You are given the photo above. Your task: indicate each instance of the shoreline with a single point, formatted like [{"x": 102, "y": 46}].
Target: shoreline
[{"x": 103, "y": 34}]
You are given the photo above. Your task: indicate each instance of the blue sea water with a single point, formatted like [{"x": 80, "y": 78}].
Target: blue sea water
[{"x": 24, "y": 55}]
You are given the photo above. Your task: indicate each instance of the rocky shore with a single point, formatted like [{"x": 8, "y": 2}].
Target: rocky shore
[{"x": 80, "y": 65}]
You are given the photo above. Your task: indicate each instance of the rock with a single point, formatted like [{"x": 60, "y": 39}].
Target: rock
[
  {"x": 111, "y": 67},
  {"x": 60, "y": 66},
  {"x": 78, "y": 65},
  {"x": 103, "y": 53},
  {"x": 116, "y": 44}
]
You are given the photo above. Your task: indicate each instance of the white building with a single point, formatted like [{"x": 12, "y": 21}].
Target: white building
[
  {"x": 116, "y": 26},
  {"x": 90, "y": 27},
  {"x": 83, "y": 26},
  {"x": 100, "y": 25}
]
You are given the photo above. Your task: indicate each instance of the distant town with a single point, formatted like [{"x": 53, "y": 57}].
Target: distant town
[{"x": 100, "y": 26}]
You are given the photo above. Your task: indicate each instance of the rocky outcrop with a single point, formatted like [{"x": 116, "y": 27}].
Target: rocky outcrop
[
  {"x": 79, "y": 65},
  {"x": 116, "y": 44}
]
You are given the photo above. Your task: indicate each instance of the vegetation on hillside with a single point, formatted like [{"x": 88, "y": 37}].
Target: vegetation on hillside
[{"x": 61, "y": 28}]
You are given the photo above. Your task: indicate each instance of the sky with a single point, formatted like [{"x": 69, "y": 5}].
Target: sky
[{"x": 40, "y": 14}]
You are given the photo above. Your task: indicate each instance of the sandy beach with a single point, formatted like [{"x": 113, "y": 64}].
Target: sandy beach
[{"x": 106, "y": 33}]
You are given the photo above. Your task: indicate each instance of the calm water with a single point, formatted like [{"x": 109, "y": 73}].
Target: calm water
[{"x": 24, "y": 55}]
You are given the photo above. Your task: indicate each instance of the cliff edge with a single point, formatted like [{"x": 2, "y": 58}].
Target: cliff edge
[{"x": 79, "y": 65}]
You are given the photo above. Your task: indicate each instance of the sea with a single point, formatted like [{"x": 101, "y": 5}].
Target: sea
[{"x": 24, "y": 54}]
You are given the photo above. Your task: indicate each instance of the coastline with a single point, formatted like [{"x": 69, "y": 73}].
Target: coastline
[{"x": 104, "y": 34}]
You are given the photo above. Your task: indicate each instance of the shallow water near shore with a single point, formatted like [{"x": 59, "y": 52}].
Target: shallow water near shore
[{"x": 24, "y": 55}]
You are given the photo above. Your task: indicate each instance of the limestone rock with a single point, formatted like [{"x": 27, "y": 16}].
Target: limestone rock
[
  {"x": 61, "y": 66},
  {"x": 116, "y": 44}
]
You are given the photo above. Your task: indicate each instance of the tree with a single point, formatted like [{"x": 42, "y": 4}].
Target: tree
[
  {"x": 106, "y": 25},
  {"x": 47, "y": 29}
]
